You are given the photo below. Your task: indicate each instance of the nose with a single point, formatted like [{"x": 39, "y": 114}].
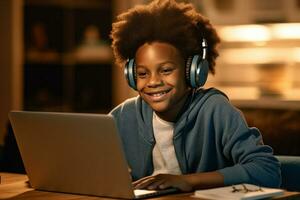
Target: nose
[{"x": 155, "y": 81}]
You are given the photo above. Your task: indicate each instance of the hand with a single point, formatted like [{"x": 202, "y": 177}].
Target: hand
[{"x": 163, "y": 181}]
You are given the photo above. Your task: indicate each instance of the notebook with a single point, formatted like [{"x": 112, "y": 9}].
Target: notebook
[
  {"x": 74, "y": 153},
  {"x": 238, "y": 192}
]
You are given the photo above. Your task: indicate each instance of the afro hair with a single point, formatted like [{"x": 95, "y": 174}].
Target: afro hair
[{"x": 178, "y": 24}]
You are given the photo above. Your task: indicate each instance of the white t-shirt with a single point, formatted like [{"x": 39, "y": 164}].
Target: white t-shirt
[{"x": 164, "y": 157}]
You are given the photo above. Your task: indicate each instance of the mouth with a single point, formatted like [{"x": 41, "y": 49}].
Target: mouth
[{"x": 157, "y": 95}]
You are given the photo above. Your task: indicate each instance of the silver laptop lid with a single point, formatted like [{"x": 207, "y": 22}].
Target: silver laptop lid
[{"x": 72, "y": 153}]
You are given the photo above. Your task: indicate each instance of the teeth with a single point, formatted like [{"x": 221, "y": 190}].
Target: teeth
[{"x": 158, "y": 94}]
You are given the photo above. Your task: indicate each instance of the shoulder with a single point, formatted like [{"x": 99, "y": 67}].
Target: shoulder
[
  {"x": 211, "y": 99},
  {"x": 218, "y": 100},
  {"x": 133, "y": 107},
  {"x": 126, "y": 106},
  {"x": 228, "y": 120},
  {"x": 212, "y": 94},
  {"x": 125, "y": 113},
  {"x": 214, "y": 104}
]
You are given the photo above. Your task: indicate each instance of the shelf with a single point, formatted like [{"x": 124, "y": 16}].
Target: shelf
[
  {"x": 252, "y": 97},
  {"x": 98, "y": 56},
  {"x": 268, "y": 103},
  {"x": 68, "y": 59},
  {"x": 82, "y": 4}
]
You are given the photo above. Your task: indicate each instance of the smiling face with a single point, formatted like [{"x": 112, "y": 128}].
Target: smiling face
[{"x": 161, "y": 78}]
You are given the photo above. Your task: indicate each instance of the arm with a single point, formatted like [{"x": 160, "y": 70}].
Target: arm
[{"x": 253, "y": 162}]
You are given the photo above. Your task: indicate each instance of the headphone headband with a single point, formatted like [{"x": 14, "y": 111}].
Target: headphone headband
[{"x": 204, "y": 48}]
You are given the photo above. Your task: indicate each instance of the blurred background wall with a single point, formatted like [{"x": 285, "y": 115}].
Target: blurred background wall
[
  {"x": 11, "y": 60},
  {"x": 55, "y": 56}
]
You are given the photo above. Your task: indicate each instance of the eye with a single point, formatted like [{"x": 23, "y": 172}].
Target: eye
[
  {"x": 167, "y": 70},
  {"x": 141, "y": 74}
]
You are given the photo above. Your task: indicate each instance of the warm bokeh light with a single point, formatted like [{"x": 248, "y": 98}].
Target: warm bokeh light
[
  {"x": 296, "y": 54},
  {"x": 285, "y": 31},
  {"x": 259, "y": 33},
  {"x": 269, "y": 52},
  {"x": 244, "y": 33},
  {"x": 260, "y": 55}
]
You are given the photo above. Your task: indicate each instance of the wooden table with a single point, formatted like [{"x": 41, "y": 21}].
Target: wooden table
[{"x": 15, "y": 187}]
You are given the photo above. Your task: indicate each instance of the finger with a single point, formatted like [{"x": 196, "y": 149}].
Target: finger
[
  {"x": 165, "y": 185},
  {"x": 141, "y": 180},
  {"x": 181, "y": 185},
  {"x": 155, "y": 185},
  {"x": 159, "y": 176},
  {"x": 144, "y": 184}
]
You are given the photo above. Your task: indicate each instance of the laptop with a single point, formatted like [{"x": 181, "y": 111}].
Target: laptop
[{"x": 75, "y": 153}]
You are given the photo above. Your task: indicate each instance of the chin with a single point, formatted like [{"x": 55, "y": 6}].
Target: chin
[{"x": 159, "y": 108}]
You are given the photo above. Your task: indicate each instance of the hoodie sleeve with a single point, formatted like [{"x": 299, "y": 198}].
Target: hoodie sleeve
[{"x": 253, "y": 161}]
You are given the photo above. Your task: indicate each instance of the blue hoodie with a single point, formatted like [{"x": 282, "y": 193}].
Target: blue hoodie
[{"x": 209, "y": 135}]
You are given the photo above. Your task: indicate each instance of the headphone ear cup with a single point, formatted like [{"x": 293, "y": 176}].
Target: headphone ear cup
[
  {"x": 130, "y": 73},
  {"x": 197, "y": 71},
  {"x": 202, "y": 73}
]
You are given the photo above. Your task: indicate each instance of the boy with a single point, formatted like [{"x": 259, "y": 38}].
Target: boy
[{"x": 176, "y": 134}]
